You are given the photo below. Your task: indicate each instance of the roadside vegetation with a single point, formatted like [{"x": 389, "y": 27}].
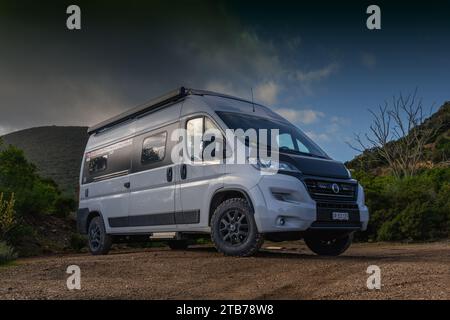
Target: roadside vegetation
[
  {"x": 28, "y": 205},
  {"x": 405, "y": 170},
  {"x": 407, "y": 209}
]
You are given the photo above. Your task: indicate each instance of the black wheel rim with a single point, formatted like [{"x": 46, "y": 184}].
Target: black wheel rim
[
  {"x": 233, "y": 227},
  {"x": 95, "y": 236}
]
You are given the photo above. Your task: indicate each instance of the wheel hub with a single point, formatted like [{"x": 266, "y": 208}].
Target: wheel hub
[{"x": 234, "y": 227}]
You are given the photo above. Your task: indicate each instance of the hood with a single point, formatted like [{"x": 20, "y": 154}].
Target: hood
[{"x": 327, "y": 168}]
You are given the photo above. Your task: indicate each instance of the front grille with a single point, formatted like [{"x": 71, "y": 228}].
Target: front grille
[{"x": 331, "y": 190}]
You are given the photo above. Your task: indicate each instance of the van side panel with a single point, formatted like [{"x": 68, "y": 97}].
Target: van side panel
[{"x": 152, "y": 198}]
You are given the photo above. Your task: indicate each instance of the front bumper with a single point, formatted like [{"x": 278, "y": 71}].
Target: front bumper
[{"x": 282, "y": 204}]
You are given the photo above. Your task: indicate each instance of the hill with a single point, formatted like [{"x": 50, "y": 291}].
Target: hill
[
  {"x": 55, "y": 150},
  {"x": 437, "y": 150}
]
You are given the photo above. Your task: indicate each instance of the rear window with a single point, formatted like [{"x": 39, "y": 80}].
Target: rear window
[
  {"x": 109, "y": 161},
  {"x": 98, "y": 164}
]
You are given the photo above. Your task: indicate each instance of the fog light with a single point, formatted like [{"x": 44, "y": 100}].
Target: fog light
[{"x": 281, "y": 221}]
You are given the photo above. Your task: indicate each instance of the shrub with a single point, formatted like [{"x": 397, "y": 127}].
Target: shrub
[
  {"x": 64, "y": 206},
  {"x": 33, "y": 194},
  {"x": 7, "y": 215},
  {"x": 412, "y": 208},
  {"x": 7, "y": 253},
  {"x": 77, "y": 242}
]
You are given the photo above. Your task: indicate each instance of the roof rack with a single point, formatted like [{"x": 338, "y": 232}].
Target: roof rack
[
  {"x": 139, "y": 110},
  {"x": 168, "y": 98}
]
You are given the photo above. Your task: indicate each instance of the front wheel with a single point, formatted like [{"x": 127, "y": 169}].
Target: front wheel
[
  {"x": 99, "y": 241},
  {"x": 329, "y": 245},
  {"x": 233, "y": 229}
]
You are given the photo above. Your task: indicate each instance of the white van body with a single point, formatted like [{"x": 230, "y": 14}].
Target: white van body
[{"x": 132, "y": 198}]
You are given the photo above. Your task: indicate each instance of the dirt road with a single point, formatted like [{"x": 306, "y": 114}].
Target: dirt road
[{"x": 414, "y": 271}]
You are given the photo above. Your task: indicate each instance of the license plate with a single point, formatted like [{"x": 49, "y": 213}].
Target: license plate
[{"x": 340, "y": 216}]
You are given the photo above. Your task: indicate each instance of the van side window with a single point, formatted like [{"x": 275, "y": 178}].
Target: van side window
[
  {"x": 107, "y": 162},
  {"x": 201, "y": 132},
  {"x": 154, "y": 148},
  {"x": 194, "y": 128},
  {"x": 98, "y": 164}
]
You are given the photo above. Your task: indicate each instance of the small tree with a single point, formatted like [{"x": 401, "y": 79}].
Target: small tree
[
  {"x": 397, "y": 135},
  {"x": 7, "y": 215}
]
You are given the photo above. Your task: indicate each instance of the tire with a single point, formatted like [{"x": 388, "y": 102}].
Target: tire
[
  {"x": 99, "y": 241},
  {"x": 178, "y": 244},
  {"x": 233, "y": 229},
  {"x": 329, "y": 246}
]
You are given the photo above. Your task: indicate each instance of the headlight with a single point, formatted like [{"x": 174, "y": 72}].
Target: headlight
[
  {"x": 274, "y": 166},
  {"x": 362, "y": 196},
  {"x": 349, "y": 173}
]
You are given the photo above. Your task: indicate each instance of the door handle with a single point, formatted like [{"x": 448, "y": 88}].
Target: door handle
[
  {"x": 127, "y": 185},
  {"x": 169, "y": 174},
  {"x": 183, "y": 171}
]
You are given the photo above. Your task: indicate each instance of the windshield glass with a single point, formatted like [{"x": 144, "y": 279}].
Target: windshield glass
[{"x": 290, "y": 139}]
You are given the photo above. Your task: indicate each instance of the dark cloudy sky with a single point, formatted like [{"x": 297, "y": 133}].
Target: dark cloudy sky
[{"x": 316, "y": 63}]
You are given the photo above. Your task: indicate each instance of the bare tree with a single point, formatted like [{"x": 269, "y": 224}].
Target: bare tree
[{"x": 397, "y": 135}]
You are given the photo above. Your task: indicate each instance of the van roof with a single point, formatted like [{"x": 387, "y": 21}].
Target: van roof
[{"x": 158, "y": 103}]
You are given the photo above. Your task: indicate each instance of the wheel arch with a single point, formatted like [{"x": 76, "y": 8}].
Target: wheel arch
[
  {"x": 224, "y": 194},
  {"x": 91, "y": 215}
]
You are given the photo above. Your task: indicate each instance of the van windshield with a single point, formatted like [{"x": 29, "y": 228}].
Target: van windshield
[{"x": 290, "y": 139}]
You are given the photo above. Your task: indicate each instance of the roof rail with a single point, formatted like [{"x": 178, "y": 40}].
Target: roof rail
[
  {"x": 154, "y": 104},
  {"x": 139, "y": 110}
]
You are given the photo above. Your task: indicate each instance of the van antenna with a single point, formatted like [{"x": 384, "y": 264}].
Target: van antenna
[{"x": 253, "y": 103}]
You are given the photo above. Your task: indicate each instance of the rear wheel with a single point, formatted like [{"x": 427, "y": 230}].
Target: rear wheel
[
  {"x": 99, "y": 241},
  {"x": 233, "y": 229},
  {"x": 325, "y": 244}
]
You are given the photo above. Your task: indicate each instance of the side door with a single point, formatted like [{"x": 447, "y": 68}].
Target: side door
[
  {"x": 199, "y": 177},
  {"x": 152, "y": 197}
]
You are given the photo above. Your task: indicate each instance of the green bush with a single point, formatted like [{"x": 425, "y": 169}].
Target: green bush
[
  {"x": 64, "y": 206},
  {"x": 413, "y": 208},
  {"x": 77, "y": 242},
  {"x": 7, "y": 253},
  {"x": 7, "y": 215},
  {"x": 34, "y": 195}
]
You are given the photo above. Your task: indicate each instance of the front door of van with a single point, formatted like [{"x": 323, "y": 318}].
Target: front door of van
[
  {"x": 199, "y": 178},
  {"x": 152, "y": 183}
]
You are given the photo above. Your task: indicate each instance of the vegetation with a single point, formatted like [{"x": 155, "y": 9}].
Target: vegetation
[
  {"x": 55, "y": 151},
  {"x": 7, "y": 222},
  {"x": 25, "y": 197},
  {"x": 404, "y": 169},
  {"x": 435, "y": 151},
  {"x": 412, "y": 208},
  {"x": 7, "y": 253}
]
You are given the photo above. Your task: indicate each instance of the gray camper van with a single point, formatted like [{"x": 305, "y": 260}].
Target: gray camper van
[{"x": 130, "y": 186}]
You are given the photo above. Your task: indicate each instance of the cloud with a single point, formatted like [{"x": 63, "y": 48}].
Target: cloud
[
  {"x": 368, "y": 60},
  {"x": 307, "y": 116},
  {"x": 340, "y": 120},
  {"x": 51, "y": 77},
  {"x": 267, "y": 92},
  {"x": 316, "y": 75},
  {"x": 318, "y": 137},
  {"x": 4, "y": 130}
]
